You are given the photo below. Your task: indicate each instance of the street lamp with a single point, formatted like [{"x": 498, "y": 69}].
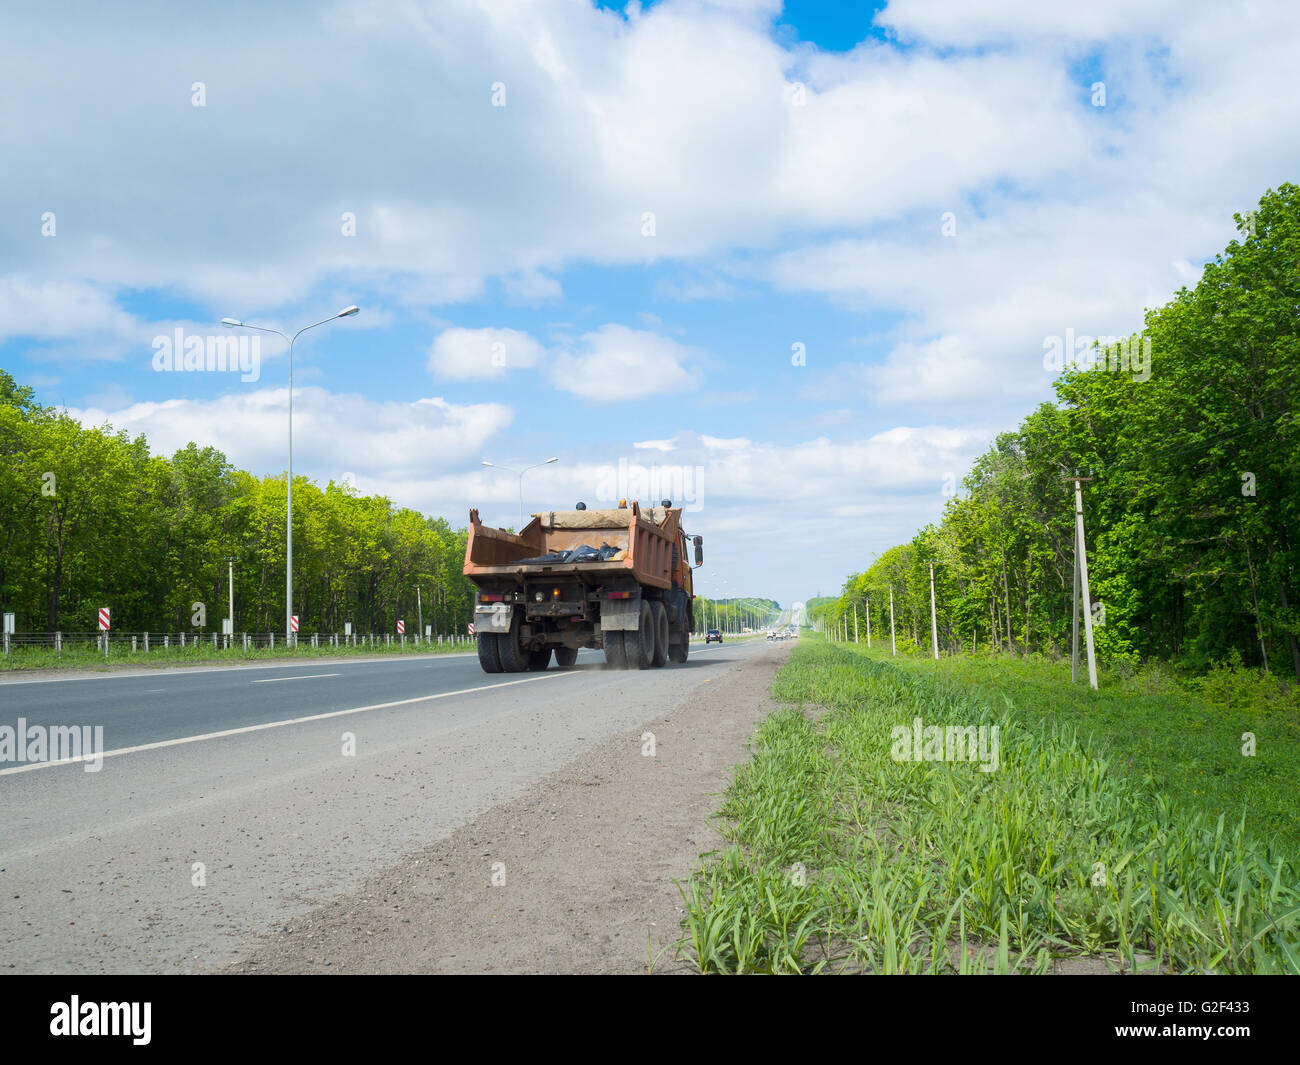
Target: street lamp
[
  {"x": 235, "y": 323},
  {"x": 521, "y": 473}
]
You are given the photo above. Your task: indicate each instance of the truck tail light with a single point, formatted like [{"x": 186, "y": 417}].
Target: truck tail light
[{"x": 490, "y": 598}]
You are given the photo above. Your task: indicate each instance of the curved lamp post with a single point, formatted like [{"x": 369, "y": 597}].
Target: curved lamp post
[
  {"x": 521, "y": 481},
  {"x": 235, "y": 323}
]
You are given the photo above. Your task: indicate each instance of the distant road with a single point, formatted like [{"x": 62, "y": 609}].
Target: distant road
[{"x": 217, "y": 766}]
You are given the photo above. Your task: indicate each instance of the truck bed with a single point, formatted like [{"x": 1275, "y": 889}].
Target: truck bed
[{"x": 495, "y": 554}]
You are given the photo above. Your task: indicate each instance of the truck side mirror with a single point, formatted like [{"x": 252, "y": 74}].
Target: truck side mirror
[{"x": 699, "y": 554}]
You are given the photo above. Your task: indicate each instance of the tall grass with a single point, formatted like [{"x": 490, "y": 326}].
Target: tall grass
[{"x": 841, "y": 858}]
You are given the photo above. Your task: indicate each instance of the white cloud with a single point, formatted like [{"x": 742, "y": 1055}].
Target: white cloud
[
  {"x": 332, "y": 433},
  {"x": 531, "y": 288},
  {"x": 616, "y": 363},
  {"x": 446, "y": 189},
  {"x": 466, "y": 354},
  {"x": 806, "y": 508},
  {"x": 960, "y": 22},
  {"x": 62, "y": 310},
  {"x": 977, "y": 307}
]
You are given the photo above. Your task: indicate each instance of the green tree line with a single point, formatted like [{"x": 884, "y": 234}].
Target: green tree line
[
  {"x": 732, "y": 615},
  {"x": 1193, "y": 514},
  {"x": 90, "y": 518}
]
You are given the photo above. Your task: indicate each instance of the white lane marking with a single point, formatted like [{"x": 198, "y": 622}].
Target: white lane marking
[
  {"x": 281, "y": 724},
  {"x": 310, "y": 676}
]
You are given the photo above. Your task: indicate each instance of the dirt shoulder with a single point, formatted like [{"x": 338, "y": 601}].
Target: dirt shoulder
[{"x": 588, "y": 856}]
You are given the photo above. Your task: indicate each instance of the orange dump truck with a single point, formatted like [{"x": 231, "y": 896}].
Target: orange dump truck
[{"x": 616, "y": 579}]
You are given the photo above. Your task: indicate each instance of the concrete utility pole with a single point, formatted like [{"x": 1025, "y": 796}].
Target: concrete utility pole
[
  {"x": 934, "y": 624},
  {"x": 419, "y": 612},
  {"x": 855, "y": 622},
  {"x": 893, "y": 646},
  {"x": 868, "y": 624},
  {"x": 231, "y": 563},
  {"x": 1074, "y": 618},
  {"x": 1081, "y": 579}
]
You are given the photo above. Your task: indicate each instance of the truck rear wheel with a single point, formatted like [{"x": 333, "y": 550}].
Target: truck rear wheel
[
  {"x": 659, "y": 614},
  {"x": 487, "y": 652},
  {"x": 566, "y": 657},
  {"x": 679, "y": 646},
  {"x": 639, "y": 643},
  {"x": 513, "y": 657},
  {"x": 615, "y": 652},
  {"x": 539, "y": 660}
]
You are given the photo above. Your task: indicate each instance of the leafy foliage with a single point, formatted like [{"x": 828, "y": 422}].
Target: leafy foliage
[
  {"x": 90, "y": 518},
  {"x": 1192, "y": 516}
]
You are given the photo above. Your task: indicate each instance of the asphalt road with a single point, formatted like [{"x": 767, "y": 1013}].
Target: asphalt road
[
  {"x": 154, "y": 707},
  {"x": 233, "y": 798}
]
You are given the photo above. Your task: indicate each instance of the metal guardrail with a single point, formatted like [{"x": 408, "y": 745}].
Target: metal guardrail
[{"x": 147, "y": 642}]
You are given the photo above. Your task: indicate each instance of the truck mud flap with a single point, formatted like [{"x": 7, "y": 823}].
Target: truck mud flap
[{"x": 620, "y": 615}]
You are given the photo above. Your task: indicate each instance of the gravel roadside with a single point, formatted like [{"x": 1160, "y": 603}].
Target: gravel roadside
[{"x": 583, "y": 861}]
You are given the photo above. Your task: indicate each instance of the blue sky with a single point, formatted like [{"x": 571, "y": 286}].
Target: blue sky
[{"x": 801, "y": 258}]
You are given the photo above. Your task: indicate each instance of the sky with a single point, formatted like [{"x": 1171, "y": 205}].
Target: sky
[{"x": 793, "y": 266}]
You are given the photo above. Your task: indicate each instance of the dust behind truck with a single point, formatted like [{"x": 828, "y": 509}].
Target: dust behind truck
[{"x": 616, "y": 579}]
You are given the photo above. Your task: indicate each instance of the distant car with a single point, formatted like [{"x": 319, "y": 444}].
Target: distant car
[{"x": 711, "y": 635}]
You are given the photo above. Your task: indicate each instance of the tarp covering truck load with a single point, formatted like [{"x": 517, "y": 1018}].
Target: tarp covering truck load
[{"x": 616, "y": 579}]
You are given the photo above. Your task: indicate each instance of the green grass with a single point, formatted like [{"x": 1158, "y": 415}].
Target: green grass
[
  {"x": 1185, "y": 735},
  {"x": 841, "y": 858}
]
